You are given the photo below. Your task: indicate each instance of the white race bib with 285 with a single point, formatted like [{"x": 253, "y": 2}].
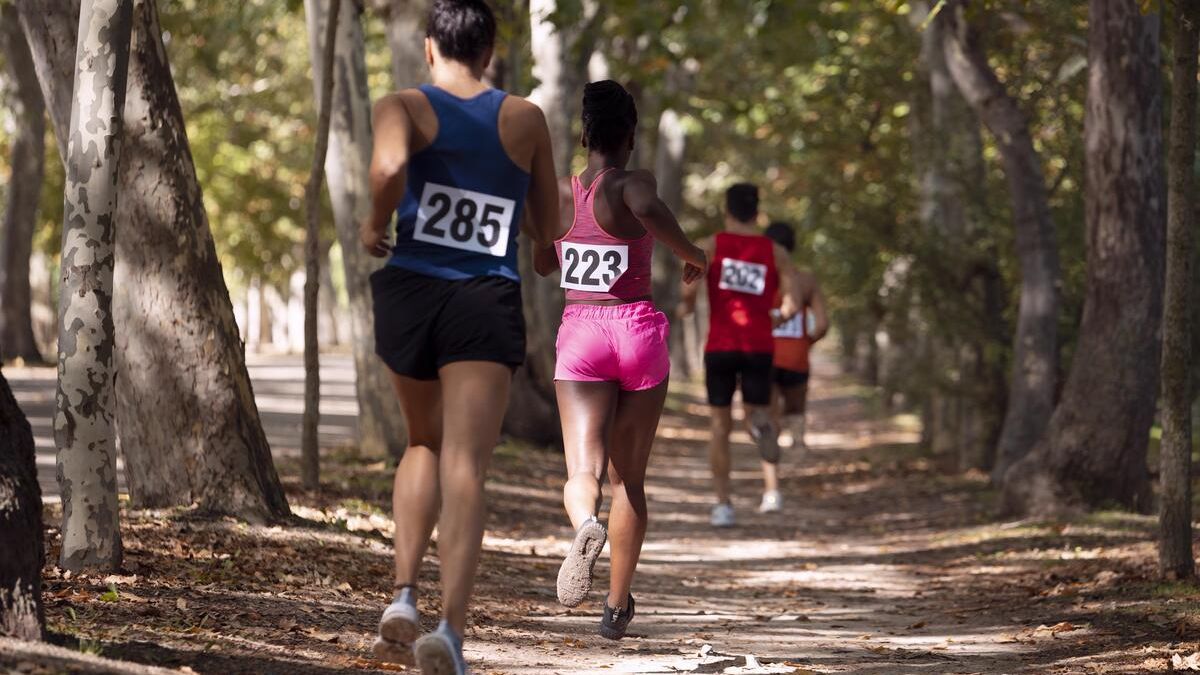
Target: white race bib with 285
[
  {"x": 743, "y": 277},
  {"x": 464, "y": 219},
  {"x": 590, "y": 267}
]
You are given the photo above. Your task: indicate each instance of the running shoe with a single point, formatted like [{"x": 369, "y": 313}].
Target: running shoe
[
  {"x": 398, "y": 629},
  {"x": 616, "y": 621},
  {"x": 440, "y": 652},
  {"x": 722, "y": 516},
  {"x": 766, "y": 437},
  {"x": 772, "y": 502},
  {"x": 575, "y": 575}
]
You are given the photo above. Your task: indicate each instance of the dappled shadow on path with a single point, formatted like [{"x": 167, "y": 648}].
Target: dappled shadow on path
[{"x": 883, "y": 561}]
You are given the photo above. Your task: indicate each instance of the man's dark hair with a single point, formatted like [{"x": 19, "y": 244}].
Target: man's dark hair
[
  {"x": 464, "y": 30},
  {"x": 609, "y": 116},
  {"x": 741, "y": 201},
  {"x": 783, "y": 234}
]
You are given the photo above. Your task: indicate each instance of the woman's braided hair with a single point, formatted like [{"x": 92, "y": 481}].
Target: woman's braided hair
[{"x": 609, "y": 116}]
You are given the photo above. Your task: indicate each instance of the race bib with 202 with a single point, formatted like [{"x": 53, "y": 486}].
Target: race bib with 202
[
  {"x": 591, "y": 267},
  {"x": 743, "y": 277},
  {"x": 464, "y": 219}
]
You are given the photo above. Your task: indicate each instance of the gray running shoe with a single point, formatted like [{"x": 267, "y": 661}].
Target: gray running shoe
[
  {"x": 440, "y": 652},
  {"x": 723, "y": 516},
  {"x": 575, "y": 575},
  {"x": 398, "y": 628}
]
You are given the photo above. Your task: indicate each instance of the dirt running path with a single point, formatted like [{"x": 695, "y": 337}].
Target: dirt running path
[{"x": 883, "y": 561}]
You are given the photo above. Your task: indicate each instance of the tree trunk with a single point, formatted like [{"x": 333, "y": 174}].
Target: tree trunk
[
  {"x": 49, "y": 27},
  {"x": 309, "y": 450},
  {"x": 24, "y": 192},
  {"x": 1175, "y": 475},
  {"x": 381, "y": 427},
  {"x": 1035, "y": 342},
  {"x": 20, "y": 524},
  {"x": 1094, "y": 451},
  {"x": 83, "y": 420},
  {"x": 669, "y": 153},
  {"x": 560, "y": 60},
  {"x": 948, "y": 153},
  {"x": 190, "y": 430},
  {"x": 404, "y": 20}
]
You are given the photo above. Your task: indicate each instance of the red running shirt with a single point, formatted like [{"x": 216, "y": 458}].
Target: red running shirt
[{"x": 742, "y": 283}]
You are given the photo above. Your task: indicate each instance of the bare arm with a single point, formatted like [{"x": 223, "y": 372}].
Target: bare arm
[
  {"x": 788, "y": 291},
  {"x": 388, "y": 172},
  {"x": 816, "y": 302},
  {"x": 690, "y": 290},
  {"x": 641, "y": 196},
  {"x": 542, "y": 221}
]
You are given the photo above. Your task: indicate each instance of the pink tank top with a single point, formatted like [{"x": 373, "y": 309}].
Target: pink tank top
[{"x": 596, "y": 265}]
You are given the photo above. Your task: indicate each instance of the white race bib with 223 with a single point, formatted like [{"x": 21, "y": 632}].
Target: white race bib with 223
[
  {"x": 592, "y": 267},
  {"x": 464, "y": 219}
]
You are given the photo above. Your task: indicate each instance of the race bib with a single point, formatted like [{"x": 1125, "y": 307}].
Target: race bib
[
  {"x": 795, "y": 327},
  {"x": 588, "y": 267},
  {"x": 743, "y": 277},
  {"x": 463, "y": 219}
]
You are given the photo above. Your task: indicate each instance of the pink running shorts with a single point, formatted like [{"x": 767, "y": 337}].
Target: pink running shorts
[{"x": 626, "y": 344}]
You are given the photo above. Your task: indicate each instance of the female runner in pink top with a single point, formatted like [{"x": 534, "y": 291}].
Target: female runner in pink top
[{"x": 611, "y": 375}]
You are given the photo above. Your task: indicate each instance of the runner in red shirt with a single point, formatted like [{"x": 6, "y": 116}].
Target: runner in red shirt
[{"x": 746, "y": 271}]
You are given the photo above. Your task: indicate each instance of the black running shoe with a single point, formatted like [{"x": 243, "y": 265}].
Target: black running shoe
[{"x": 616, "y": 621}]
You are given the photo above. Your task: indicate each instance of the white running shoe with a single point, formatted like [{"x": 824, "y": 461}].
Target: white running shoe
[
  {"x": 723, "y": 516},
  {"x": 772, "y": 502},
  {"x": 398, "y": 629}
]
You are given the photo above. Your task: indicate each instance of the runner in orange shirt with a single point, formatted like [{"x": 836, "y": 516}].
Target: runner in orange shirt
[{"x": 793, "y": 340}]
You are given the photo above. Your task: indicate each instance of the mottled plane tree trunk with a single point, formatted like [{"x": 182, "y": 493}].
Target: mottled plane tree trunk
[
  {"x": 1175, "y": 558},
  {"x": 1035, "y": 341},
  {"x": 310, "y": 464},
  {"x": 669, "y": 153},
  {"x": 83, "y": 420},
  {"x": 381, "y": 427},
  {"x": 560, "y": 57},
  {"x": 190, "y": 429},
  {"x": 49, "y": 27},
  {"x": 21, "y": 612},
  {"x": 27, "y": 160},
  {"x": 1094, "y": 451}
]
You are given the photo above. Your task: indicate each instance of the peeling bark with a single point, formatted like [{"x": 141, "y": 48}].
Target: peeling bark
[
  {"x": 381, "y": 427},
  {"x": 1094, "y": 451},
  {"x": 24, "y": 192},
  {"x": 83, "y": 420},
  {"x": 21, "y": 613},
  {"x": 190, "y": 430}
]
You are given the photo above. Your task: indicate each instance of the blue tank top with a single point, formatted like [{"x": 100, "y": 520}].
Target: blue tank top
[{"x": 461, "y": 213}]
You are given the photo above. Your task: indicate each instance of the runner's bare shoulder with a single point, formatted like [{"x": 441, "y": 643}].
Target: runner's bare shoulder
[
  {"x": 415, "y": 108},
  {"x": 522, "y": 126}
]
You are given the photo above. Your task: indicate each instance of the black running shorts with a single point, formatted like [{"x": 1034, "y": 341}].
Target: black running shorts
[
  {"x": 786, "y": 378},
  {"x": 423, "y": 323},
  {"x": 723, "y": 370}
]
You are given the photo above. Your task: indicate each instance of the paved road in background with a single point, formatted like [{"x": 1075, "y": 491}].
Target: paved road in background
[{"x": 278, "y": 389}]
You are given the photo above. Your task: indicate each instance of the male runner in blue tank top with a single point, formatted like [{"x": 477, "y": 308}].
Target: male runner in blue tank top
[{"x": 456, "y": 165}]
